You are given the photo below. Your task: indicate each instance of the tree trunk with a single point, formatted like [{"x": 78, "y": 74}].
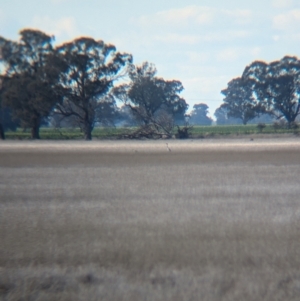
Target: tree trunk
[
  {"x": 35, "y": 130},
  {"x": 87, "y": 132},
  {"x": 2, "y": 135},
  {"x": 87, "y": 136},
  {"x": 289, "y": 120}
]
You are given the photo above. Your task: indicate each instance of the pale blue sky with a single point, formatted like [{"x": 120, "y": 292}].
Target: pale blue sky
[{"x": 204, "y": 44}]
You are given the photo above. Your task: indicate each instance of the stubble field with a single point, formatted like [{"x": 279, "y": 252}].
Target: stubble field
[{"x": 115, "y": 220}]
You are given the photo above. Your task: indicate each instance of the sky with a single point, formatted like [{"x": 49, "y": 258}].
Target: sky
[{"x": 203, "y": 43}]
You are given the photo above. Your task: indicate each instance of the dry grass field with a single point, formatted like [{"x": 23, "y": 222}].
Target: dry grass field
[{"x": 116, "y": 220}]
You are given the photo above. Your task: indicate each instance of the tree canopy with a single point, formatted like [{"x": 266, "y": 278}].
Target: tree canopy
[
  {"x": 264, "y": 88},
  {"x": 152, "y": 100},
  {"x": 277, "y": 86},
  {"x": 199, "y": 115},
  {"x": 27, "y": 83},
  {"x": 87, "y": 71},
  {"x": 240, "y": 101}
]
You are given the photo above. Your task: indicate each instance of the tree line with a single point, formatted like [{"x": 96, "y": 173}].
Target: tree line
[
  {"x": 263, "y": 93},
  {"x": 80, "y": 82},
  {"x": 272, "y": 89}
]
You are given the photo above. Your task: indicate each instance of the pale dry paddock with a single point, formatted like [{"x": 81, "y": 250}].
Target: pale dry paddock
[{"x": 210, "y": 220}]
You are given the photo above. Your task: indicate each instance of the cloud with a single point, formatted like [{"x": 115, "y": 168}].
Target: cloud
[
  {"x": 255, "y": 51},
  {"x": 287, "y": 21},
  {"x": 228, "y": 54},
  {"x": 180, "y": 16},
  {"x": 240, "y": 16},
  {"x": 296, "y": 37},
  {"x": 60, "y": 28},
  {"x": 198, "y": 57},
  {"x": 225, "y": 35},
  {"x": 1, "y": 16},
  {"x": 201, "y": 84},
  {"x": 195, "y": 15},
  {"x": 58, "y": 1},
  {"x": 199, "y": 14},
  {"x": 190, "y": 39},
  {"x": 238, "y": 55},
  {"x": 282, "y": 3},
  {"x": 178, "y": 38}
]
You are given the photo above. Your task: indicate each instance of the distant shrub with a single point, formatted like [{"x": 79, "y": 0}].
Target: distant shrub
[
  {"x": 261, "y": 126},
  {"x": 183, "y": 132},
  {"x": 278, "y": 125}
]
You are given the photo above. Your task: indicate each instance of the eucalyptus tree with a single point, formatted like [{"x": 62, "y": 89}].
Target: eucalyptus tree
[
  {"x": 221, "y": 115},
  {"x": 154, "y": 102},
  {"x": 199, "y": 115},
  {"x": 87, "y": 72},
  {"x": 2, "y": 134},
  {"x": 28, "y": 78},
  {"x": 240, "y": 100},
  {"x": 6, "y": 120},
  {"x": 277, "y": 86}
]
